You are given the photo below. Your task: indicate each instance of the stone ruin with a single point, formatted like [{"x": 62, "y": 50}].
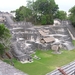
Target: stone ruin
[{"x": 27, "y": 38}]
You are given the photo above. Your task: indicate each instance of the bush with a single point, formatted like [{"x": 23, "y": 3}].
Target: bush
[{"x": 4, "y": 39}]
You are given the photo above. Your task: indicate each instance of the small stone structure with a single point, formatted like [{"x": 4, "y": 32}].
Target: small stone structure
[
  {"x": 57, "y": 22},
  {"x": 36, "y": 57},
  {"x": 56, "y": 49},
  {"x": 2, "y": 19},
  {"x": 47, "y": 40}
]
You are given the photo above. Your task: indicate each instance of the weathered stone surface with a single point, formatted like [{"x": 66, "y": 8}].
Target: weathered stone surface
[
  {"x": 25, "y": 32},
  {"x": 6, "y": 69}
]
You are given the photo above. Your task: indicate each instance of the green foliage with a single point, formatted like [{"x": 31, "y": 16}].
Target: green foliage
[
  {"x": 43, "y": 20},
  {"x": 46, "y": 9},
  {"x": 37, "y": 12},
  {"x": 72, "y": 15},
  {"x": 23, "y": 13},
  {"x": 73, "y": 41},
  {"x": 72, "y": 10},
  {"x": 4, "y": 39},
  {"x": 1, "y": 49},
  {"x": 62, "y": 15},
  {"x": 46, "y": 19},
  {"x": 45, "y": 6}
]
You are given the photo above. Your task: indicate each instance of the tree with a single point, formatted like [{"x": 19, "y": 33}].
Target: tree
[
  {"x": 23, "y": 13},
  {"x": 62, "y": 15},
  {"x": 72, "y": 15},
  {"x": 44, "y": 10},
  {"x": 4, "y": 39},
  {"x": 37, "y": 11}
]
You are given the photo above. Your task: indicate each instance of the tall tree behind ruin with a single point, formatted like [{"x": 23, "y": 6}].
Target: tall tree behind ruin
[
  {"x": 72, "y": 15},
  {"x": 43, "y": 10},
  {"x": 23, "y": 13},
  {"x": 37, "y": 12},
  {"x": 62, "y": 15}
]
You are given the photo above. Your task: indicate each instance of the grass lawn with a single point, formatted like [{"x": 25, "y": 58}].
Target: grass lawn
[{"x": 47, "y": 63}]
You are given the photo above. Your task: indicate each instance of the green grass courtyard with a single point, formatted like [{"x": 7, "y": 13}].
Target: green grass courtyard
[{"x": 47, "y": 63}]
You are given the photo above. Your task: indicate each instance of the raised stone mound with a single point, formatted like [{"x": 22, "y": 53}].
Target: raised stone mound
[{"x": 56, "y": 49}]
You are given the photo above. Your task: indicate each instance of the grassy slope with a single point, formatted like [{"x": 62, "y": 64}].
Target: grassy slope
[{"x": 47, "y": 63}]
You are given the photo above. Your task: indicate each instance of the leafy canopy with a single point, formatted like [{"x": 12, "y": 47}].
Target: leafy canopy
[
  {"x": 72, "y": 15},
  {"x": 62, "y": 15},
  {"x": 44, "y": 10},
  {"x": 23, "y": 13},
  {"x": 37, "y": 12}
]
